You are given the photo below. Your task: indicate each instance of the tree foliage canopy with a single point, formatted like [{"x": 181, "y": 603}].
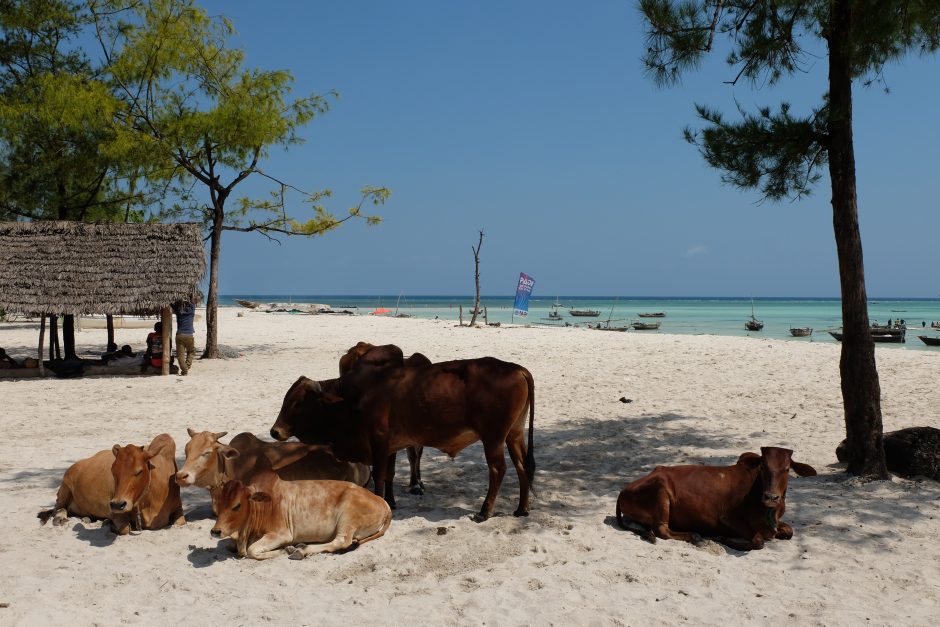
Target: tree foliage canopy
[{"x": 776, "y": 151}]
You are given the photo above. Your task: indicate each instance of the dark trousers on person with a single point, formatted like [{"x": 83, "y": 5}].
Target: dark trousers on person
[{"x": 185, "y": 349}]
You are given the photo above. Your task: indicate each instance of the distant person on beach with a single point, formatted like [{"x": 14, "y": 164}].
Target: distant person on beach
[
  {"x": 185, "y": 342},
  {"x": 7, "y": 362},
  {"x": 153, "y": 356}
]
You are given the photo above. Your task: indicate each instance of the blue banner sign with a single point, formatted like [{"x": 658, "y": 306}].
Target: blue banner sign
[{"x": 523, "y": 291}]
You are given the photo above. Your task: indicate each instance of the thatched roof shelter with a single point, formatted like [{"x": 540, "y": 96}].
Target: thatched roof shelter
[{"x": 74, "y": 268}]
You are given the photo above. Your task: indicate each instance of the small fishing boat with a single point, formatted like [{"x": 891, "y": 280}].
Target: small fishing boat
[
  {"x": 935, "y": 324},
  {"x": 585, "y": 313},
  {"x": 120, "y": 322},
  {"x": 928, "y": 340},
  {"x": 607, "y": 326},
  {"x": 753, "y": 324},
  {"x": 654, "y": 314},
  {"x": 645, "y": 326},
  {"x": 882, "y": 335},
  {"x": 801, "y": 331},
  {"x": 250, "y": 304}
]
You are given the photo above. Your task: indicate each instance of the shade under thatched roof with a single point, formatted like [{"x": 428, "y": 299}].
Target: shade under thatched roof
[{"x": 76, "y": 268}]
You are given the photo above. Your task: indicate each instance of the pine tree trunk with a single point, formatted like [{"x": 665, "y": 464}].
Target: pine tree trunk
[
  {"x": 212, "y": 300},
  {"x": 861, "y": 392}
]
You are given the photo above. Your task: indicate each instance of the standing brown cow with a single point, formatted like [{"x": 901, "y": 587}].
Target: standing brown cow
[
  {"x": 741, "y": 504},
  {"x": 381, "y": 406},
  {"x": 129, "y": 485},
  {"x": 346, "y": 363}
]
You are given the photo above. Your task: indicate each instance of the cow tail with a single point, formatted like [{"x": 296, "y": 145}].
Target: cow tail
[
  {"x": 45, "y": 515},
  {"x": 530, "y": 449}
]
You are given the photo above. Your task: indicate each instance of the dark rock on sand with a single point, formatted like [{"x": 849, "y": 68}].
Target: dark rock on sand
[{"x": 908, "y": 452}]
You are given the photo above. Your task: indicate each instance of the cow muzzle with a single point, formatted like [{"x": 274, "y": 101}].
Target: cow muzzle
[
  {"x": 184, "y": 478},
  {"x": 118, "y": 507},
  {"x": 771, "y": 499},
  {"x": 216, "y": 532},
  {"x": 278, "y": 434}
]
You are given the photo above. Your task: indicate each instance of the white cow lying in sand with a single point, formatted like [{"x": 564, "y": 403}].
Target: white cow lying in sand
[{"x": 270, "y": 515}]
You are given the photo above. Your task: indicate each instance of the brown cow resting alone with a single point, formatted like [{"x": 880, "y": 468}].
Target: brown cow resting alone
[
  {"x": 346, "y": 362},
  {"x": 739, "y": 505},
  {"x": 210, "y": 463},
  {"x": 131, "y": 486},
  {"x": 381, "y": 406},
  {"x": 270, "y": 515}
]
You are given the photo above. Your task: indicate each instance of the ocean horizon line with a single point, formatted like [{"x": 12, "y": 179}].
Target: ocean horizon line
[{"x": 244, "y": 295}]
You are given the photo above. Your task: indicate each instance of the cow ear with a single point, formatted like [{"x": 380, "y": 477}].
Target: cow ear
[
  {"x": 218, "y": 436},
  {"x": 751, "y": 460},
  {"x": 330, "y": 398},
  {"x": 261, "y": 497},
  {"x": 115, "y": 449},
  {"x": 802, "y": 470},
  {"x": 191, "y": 432},
  {"x": 228, "y": 452}
]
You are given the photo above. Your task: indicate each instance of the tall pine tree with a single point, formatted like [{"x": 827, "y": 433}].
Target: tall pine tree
[{"x": 781, "y": 153}]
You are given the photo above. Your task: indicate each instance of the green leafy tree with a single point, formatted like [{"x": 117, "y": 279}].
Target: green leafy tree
[
  {"x": 212, "y": 121},
  {"x": 64, "y": 153},
  {"x": 781, "y": 153}
]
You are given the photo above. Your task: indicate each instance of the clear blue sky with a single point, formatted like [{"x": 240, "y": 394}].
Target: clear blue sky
[{"x": 534, "y": 121}]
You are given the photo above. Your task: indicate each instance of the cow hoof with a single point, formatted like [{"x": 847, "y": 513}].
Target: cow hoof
[
  {"x": 478, "y": 518},
  {"x": 418, "y": 489},
  {"x": 521, "y": 512},
  {"x": 58, "y": 521},
  {"x": 649, "y": 536},
  {"x": 296, "y": 555},
  {"x": 698, "y": 540}
]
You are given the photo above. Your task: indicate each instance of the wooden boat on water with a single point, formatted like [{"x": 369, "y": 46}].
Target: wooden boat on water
[
  {"x": 801, "y": 331},
  {"x": 753, "y": 324},
  {"x": 645, "y": 326},
  {"x": 928, "y": 340},
  {"x": 607, "y": 326},
  {"x": 885, "y": 335},
  {"x": 654, "y": 314},
  {"x": 585, "y": 313}
]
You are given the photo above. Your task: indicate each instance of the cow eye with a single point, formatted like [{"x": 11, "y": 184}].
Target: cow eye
[
  {"x": 206, "y": 454},
  {"x": 237, "y": 507},
  {"x": 137, "y": 474}
]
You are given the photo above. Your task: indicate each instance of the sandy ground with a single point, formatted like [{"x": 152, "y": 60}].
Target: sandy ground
[{"x": 861, "y": 554}]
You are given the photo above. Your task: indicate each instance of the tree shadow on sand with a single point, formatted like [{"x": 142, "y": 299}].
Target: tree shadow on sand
[{"x": 36, "y": 478}]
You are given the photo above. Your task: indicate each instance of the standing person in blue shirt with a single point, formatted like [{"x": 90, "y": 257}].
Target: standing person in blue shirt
[{"x": 185, "y": 343}]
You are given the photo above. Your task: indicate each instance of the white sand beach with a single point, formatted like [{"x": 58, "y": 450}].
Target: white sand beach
[{"x": 862, "y": 553}]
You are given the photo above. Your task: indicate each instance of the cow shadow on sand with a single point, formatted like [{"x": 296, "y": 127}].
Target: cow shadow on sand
[
  {"x": 99, "y": 537},
  {"x": 583, "y": 461},
  {"x": 203, "y": 557}
]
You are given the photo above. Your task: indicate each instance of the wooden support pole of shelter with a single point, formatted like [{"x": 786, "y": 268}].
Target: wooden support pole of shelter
[
  {"x": 486, "y": 318},
  {"x": 461, "y": 315},
  {"x": 42, "y": 339},
  {"x": 166, "y": 317}
]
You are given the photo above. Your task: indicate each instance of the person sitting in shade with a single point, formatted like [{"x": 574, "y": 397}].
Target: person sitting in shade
[
  {"x": 153, "y": 356},
  {"x": 7, "y": 362}
]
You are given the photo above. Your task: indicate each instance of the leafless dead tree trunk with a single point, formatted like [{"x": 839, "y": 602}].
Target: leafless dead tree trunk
[{"x": 476, "y": 275}]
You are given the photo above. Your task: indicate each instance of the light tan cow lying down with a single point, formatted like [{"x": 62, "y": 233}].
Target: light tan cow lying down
[
  {"x": 129, "y": 485},
  {"x": 270, "y": 515},
  {"x": 210, "y": 463}
]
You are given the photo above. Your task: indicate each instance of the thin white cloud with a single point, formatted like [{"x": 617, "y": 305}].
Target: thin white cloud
[{"x": 695, "y": 251}]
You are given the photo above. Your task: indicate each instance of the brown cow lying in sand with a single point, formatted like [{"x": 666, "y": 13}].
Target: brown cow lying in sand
[
  {"x": 740, "y": 505},
  {"x": 346, "y": 362},
  {"x": 382, "y": 406},
  {"x": 270, "y": 515},
  {"x": 210, "y": 463},
  {"x": 131, "y": 486}
]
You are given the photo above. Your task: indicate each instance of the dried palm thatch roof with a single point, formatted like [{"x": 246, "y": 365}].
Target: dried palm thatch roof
[{"x": 76, "y": 268}]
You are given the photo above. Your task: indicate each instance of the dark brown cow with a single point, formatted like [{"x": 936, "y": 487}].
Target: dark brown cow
[
  {"x": 381, "y": 406},
  {"x": 909, "y": 452},
  {"x": 346, "y": 362},
  {"x": 128, "y": 485},
  {"x": 740, "y": 505}
]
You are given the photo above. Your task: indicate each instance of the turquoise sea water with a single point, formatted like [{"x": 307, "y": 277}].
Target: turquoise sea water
[{"x": 715, "y": 316}]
